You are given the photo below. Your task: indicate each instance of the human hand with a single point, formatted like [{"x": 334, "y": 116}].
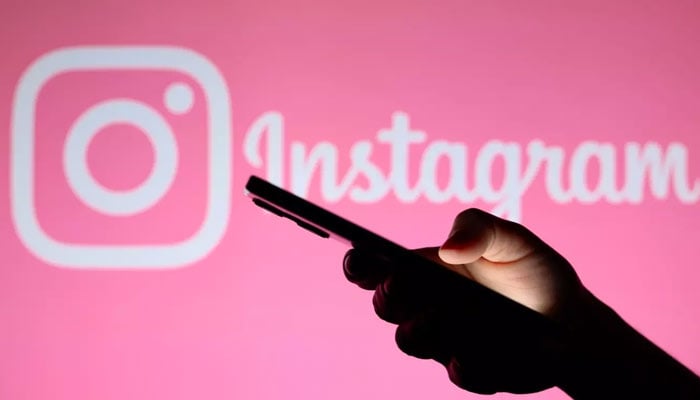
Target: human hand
[
  {"x": 591, "y": 354},
  {"x": 481, "y": 352}
]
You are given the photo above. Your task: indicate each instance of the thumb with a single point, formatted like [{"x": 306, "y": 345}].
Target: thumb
[{"x": 477, "y": 234}]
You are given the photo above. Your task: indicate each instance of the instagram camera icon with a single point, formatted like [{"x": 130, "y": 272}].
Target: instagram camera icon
[{"x": 84, "y": 193}]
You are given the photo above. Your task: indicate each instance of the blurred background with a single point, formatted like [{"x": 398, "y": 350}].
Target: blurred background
[{"x": 135, "y": 268}]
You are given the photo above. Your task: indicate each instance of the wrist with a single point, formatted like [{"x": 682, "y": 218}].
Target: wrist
[{"x": 606, "y": 358}]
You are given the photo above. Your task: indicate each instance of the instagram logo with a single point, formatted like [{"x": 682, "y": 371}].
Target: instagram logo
[{"x": 134, "y": 143}]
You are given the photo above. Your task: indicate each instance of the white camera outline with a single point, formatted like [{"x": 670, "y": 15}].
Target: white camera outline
[{"x": 219, "y": 168}]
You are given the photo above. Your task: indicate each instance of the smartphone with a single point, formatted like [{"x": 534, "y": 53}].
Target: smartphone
[{"x": 326, "y": 224}]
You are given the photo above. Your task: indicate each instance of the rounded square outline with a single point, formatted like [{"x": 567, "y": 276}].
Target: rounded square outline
[{"x": 220, "y": 161}]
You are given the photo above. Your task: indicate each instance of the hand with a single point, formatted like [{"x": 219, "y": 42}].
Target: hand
[
  {"x": 478, "y": 354},
  {"x": 597, "y": 355}
]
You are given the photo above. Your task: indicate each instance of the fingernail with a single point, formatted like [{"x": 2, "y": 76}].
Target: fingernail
[
  {"x": 346, "y": 263},
  {"x": 450, "y": 241}
]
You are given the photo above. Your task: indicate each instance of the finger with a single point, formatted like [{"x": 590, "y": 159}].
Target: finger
[
  {"x": 483, "y": 362},
  {"x": 476, "y": 234},
  {"x": 471, "y": 376},
  {"x": 365, "y": 269},
  {"x": 397, "y": 298},
  {"x": 418, "y": 337},
  {"x": 514, "y": 370},
  {"x": 433, "y": 254},
  {"x": 425, "y": 336}
]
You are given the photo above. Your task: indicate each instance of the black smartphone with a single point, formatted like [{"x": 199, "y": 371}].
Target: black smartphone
[{"x": 327, "y": 224}]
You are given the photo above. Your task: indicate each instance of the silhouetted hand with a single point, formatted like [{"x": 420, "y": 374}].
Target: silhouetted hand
[{"x": 591, "y": 354}]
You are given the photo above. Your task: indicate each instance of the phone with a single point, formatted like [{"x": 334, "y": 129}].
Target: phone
[{"x": 326, "y": 224}]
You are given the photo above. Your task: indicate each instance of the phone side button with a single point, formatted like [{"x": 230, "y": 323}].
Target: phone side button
[
  {"x": 313, "y": 229},
  {"x": 269, "y": 207}
]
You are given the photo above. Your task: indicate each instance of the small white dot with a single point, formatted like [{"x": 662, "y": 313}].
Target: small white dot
[{"x": 178, "y": 98}]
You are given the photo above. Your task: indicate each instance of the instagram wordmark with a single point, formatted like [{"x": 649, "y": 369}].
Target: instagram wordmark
[
  {"x": 178, "y": 98},
  {"x": 644, "y": 165}
]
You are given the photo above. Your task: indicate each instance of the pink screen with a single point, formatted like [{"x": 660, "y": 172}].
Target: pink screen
[{"x": 135, "y": 268}]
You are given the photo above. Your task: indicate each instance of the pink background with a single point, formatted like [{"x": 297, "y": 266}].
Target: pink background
[{"x": 267, "y": 313}]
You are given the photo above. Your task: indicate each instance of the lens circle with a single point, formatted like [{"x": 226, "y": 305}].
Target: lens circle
[{"x": 147, "y": 193}]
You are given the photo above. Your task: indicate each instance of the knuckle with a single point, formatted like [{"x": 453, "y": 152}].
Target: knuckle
[
  {"x": 380, "y": 305},
  {"x": 385, "y": 305}
]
